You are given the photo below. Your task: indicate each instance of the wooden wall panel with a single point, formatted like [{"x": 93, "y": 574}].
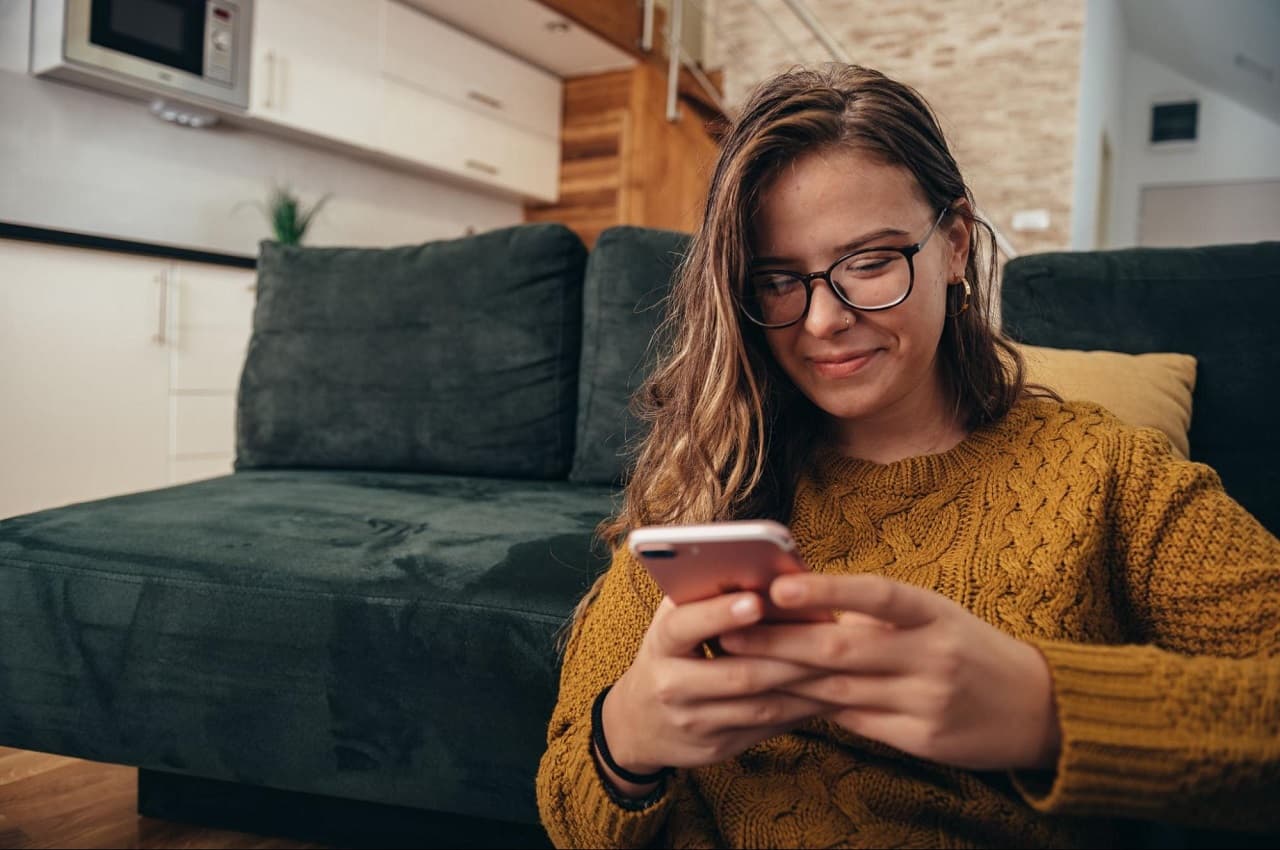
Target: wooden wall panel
[{"x": 622, "y": 162}]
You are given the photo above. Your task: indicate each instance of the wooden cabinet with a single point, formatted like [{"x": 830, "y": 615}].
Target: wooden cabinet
[{"x": 118, "y": 372}]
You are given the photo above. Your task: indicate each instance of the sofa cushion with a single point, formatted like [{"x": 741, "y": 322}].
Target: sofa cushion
[
  {"x": 457, "y": 356},
  {"x": 1215, "y": 303},
  {"x": 628, "y": 275},
  {"x": 372, "y": 635},
  {"x": 1147, "y": 390}
]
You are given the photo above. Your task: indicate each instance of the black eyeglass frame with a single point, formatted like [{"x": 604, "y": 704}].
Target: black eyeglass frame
[{"x": 806, "y": 280}]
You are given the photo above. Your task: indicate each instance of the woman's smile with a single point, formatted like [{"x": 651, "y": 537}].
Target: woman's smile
[{"x": 843, "y": 365}]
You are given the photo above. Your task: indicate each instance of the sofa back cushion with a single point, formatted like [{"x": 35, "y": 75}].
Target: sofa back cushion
[
  {"x": 628, "y": 275},
  {"x": 1215, "y": 303},
  {"x": 457, "y": 356}
]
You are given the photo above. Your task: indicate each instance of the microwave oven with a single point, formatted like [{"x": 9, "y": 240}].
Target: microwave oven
[{"x": 191, "y": 50}]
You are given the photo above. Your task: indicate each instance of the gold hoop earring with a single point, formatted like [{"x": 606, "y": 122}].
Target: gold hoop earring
[{"x": 967, "y": 293}]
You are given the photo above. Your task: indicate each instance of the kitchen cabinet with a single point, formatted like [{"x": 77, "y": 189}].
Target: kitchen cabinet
[
  {"x": 385, "y": 80},
  {"x": 118, "y": 372},
  {"x": 421, "y": 127},
  {"x": 433, "y": 56},
  {"x": 315, "y": 68}
]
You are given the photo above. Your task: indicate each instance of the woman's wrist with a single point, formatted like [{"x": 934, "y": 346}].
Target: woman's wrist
[{"x": 628, "y": 776}]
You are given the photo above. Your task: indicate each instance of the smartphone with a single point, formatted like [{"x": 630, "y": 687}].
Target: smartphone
[{"x": 694, "y": 562}]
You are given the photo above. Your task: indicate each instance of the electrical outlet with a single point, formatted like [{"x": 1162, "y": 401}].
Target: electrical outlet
[{"x": 1024, "y": 220}]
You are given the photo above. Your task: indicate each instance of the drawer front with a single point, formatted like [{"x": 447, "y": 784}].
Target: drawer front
[
  {"x": 208, "y": 359},
  {"x": 197, "y": 469},
  {"x": 441, "y": 134},
  {"x": 216, "y": 297},
  {"x": 204, "y": 426},
  {"x": 423, "y": 52}
]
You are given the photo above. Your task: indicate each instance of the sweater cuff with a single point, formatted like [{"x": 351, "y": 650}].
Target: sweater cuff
[
  {"x": 1115, "y": 752},
  {"x": 596, "y": 804}
]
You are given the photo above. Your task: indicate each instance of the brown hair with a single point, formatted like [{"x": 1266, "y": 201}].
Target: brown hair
[{"x": 727, "y": 431}]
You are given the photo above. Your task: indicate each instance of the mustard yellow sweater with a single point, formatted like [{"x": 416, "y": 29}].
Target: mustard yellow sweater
[{"x": 1154, "y": 597}]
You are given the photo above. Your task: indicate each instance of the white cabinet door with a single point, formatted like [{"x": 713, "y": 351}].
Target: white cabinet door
[
  {"x": 212, "y": 320},
  {"x": 316, "y": 68},
  {"x": 84, "y": 376},
  {"x": 424, "y": 128},
  {"x": 426, "y": 53}
]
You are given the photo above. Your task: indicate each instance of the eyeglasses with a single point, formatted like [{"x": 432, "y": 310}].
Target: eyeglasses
[{"x": 868, "y": 279}]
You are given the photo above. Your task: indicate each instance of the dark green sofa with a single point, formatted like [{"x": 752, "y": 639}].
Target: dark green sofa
[{"x": 351, "y": 638}]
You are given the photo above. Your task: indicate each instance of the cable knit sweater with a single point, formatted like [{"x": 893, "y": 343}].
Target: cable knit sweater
[{"x": 1154, "y": 597}]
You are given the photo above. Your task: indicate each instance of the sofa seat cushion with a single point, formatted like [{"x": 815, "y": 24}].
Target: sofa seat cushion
[{"x": 223, "y": 628}]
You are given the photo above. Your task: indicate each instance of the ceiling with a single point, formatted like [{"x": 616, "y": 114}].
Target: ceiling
[{"x": 1230, "y": 46}]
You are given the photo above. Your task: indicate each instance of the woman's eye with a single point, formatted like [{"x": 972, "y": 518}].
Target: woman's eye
[
  {"x": 776, "y": 285},
  {"x": 873, "y": 264}
]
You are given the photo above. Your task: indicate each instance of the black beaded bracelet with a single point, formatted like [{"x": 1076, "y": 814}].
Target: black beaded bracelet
[{"x": 597, "y": 737}]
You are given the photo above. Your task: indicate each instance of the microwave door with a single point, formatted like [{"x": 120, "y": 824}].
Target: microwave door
[{"x": 168, "y": 32}]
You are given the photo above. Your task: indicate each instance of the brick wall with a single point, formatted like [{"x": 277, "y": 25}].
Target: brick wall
[{"x": 1002, "y": 75}]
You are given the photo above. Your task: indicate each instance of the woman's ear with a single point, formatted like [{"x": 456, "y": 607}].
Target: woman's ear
[{"x": 959, "y": 232}]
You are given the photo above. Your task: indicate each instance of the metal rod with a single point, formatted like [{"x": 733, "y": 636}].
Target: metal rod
[
  {"x": 673, "y": 59},
  {"x": 819, "y": 31},
  {"x": 704, "y": 83},
  {"x": 1003, "y": 245},
  {"x": 646, "y": 36}
]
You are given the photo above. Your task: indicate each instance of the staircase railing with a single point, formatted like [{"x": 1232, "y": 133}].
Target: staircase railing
[{"x": 678, "y": 58}]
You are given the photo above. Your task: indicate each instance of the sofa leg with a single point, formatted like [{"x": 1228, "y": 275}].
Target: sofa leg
[{"x": 318, "y": 818}]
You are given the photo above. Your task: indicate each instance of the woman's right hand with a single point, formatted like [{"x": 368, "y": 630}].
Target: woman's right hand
[{"x": 674, "y": 707}]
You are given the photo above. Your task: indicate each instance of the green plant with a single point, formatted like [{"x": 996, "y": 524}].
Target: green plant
[{"x": 288, "y": 217}]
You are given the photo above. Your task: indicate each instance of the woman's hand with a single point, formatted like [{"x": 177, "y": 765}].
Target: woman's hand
[
  {"x": 915, "y": 670},
  {"x": 674, "y": 707}
]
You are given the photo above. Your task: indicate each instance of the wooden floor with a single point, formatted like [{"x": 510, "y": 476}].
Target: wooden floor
[{"x": 53, "y": 801}]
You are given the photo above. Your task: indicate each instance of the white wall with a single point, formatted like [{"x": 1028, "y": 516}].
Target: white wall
[
  {"x": 81, "y": 160},
  {"x": 1103, "y": 56},
  {"x": 1235, "y": 144}
]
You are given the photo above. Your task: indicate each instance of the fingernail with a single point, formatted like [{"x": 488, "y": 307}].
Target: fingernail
[
  {"x": 745, "y": 608},
  {"x": 785, "y": 590}
]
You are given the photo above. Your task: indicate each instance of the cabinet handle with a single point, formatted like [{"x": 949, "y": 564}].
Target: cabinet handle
[
  {"x": 480, "y": 97},
  {"x": 482, "y": 166},
  {"x": 269, "y": 103},
  {"x": 162, "y": 326}
]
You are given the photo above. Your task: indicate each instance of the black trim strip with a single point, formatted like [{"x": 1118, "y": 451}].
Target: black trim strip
[{"x": 123, "y": 246}]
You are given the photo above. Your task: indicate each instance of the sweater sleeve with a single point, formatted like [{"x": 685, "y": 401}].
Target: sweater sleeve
[
  {"x": 577, "y": 809},
  {"x": 1184, "y": 725}
]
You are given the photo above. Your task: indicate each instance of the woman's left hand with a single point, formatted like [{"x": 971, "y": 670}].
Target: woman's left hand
[{"x": 915, "y": 670}]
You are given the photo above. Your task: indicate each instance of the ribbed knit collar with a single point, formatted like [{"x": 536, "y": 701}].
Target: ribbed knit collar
[{"x": 915, "y": 476}]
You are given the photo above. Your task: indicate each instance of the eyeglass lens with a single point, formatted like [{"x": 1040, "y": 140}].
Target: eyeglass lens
[{"x": 868, "y": 280}]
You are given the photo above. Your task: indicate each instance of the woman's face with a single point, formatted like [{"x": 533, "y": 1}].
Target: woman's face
[{"x": 857, "y": 365}]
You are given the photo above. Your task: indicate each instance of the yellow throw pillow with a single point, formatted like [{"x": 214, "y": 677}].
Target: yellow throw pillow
[{"x": 1150, "y": 390}]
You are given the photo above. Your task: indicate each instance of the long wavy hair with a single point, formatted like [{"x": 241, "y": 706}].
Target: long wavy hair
[{"x": 727, "y": 431}]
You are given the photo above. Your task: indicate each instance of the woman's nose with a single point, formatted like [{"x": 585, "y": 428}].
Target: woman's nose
[{"x": 827, "y": 313}]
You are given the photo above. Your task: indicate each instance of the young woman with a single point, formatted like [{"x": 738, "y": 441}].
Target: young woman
[{"x": 1047, "y": 621}]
